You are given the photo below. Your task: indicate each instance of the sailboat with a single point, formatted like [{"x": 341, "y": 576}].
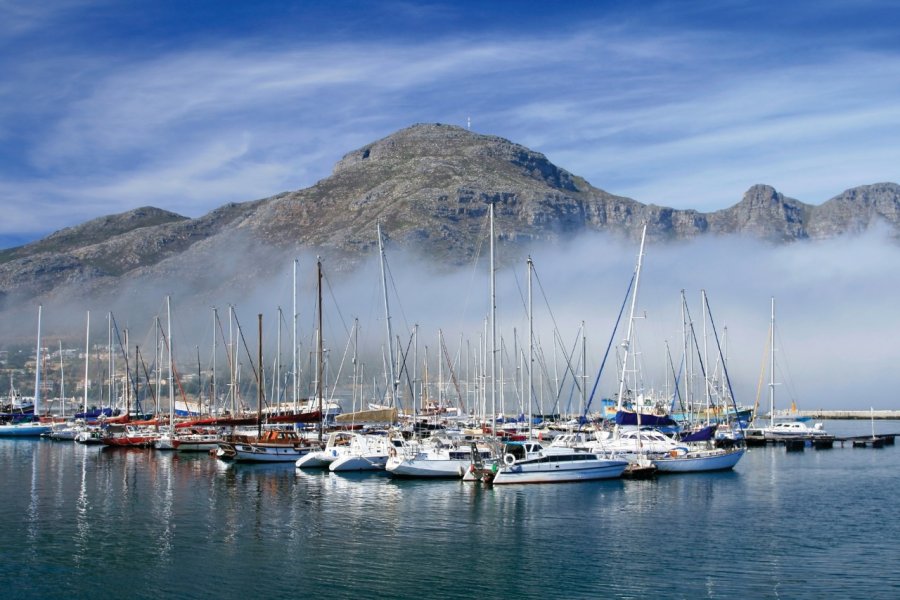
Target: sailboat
[
  {"x": 697, "y": 451},
  {"x": 33, "y": 427},
  {"x": 788, "y": 429},
  {"x": 528, "y": 461},
  {"x": 278, "y": 445},
  {"x": 370, "y": 452}
]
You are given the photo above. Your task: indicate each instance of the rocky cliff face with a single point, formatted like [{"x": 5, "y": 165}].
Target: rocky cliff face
[{"x": 430, "y": 187}]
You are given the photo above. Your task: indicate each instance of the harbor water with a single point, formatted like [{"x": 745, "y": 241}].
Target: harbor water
[{"x": 88, "y": 522}]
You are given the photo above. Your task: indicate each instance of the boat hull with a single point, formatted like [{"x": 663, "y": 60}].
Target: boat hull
[
  {"x": 24, "y": 430},
  {"x": 130, "y": 441},
  {"x": 320, "y": 459},
  {"x": 428, "y": 468},
  {"x": 560, "y": 472},
  {"x": 699, "y": 462},
  {"x": 268, "y": 452},
  {"x": 187, "y": 445},
  {"x": 367, "y": 462}
]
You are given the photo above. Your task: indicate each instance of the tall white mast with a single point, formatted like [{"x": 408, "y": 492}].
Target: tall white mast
[
  {"x": 232, "y": 355},
  {"x": 493, "y": 332},
  {"x": 440, "y": 353},
  {"x": 277, "y": 394},
  {"x": 387, "y": 314},
  {"x": 212, "y": 395},
  {"x": 294, "y": 338},
  {"x": 772, "y": 366},
  {"x": 37, "y": 369},
  {"x": 629, "y": 338},
  {"x": 530, "y": 361},
  {"x": 109, "y": 358},
  {"x": 627, "y": 343},
  {"x": 706, "y": 374},
  {"x": 87, "y": 354},
  {"x": 171, "y": 363},
  {"x": 62, "y": 380}
]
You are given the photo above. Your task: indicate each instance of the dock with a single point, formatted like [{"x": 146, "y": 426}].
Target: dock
[{"x": 798, "y": 443}]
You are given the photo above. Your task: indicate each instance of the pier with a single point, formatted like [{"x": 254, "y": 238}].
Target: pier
[{"x": 798, "y": 443}]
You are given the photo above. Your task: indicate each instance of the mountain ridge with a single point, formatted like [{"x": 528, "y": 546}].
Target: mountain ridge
[{"x": 430, "y": 186}]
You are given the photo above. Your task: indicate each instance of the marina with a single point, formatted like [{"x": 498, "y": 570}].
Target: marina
[{"x": 171, "y": 525}]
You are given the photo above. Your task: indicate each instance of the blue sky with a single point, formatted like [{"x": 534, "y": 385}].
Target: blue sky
[{"x": 107, "y": 106}]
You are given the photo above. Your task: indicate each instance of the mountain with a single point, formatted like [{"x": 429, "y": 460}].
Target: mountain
[{"x": 430, "y": 186}]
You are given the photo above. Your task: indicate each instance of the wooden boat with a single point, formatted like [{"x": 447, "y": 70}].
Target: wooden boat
[{"x": 273, "y": 446}]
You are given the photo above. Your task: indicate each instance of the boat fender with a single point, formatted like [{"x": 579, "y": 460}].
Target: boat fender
[{"x": 509, "y": 460}]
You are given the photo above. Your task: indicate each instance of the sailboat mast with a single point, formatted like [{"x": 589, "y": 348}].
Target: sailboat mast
[
  {"x": 62, "y": 380},
  {"x": 583, "y": 369},
  {"x": 530, "y": 362},
  {"x": 493, "y": 332},
  {"x": 707, "y": 373},
  {"x": 232, "y": 374},
  {"x": 158, "y": 360},
  {"x": 127, "y": 376},
  {"x": 259, "y": 382},
  {"x": 628, "y": 338},
  {"x": 37, "y": 369},
  {"x": 171, "y": 363},
  {"x": 416, "y": 398},
  {"x": 294, "y": 337},
  {"x": 109, "y": 358},
  {"x": 387, "y": 319},
  {"x": 440, "y": 390},
  {"x": 772, "y": 366},
  {"x": 321, "y": 377},
  {"x": 278, "y": 360},
  {"x": 87, "y": 361},
  {"x": 213, "y": 397}
]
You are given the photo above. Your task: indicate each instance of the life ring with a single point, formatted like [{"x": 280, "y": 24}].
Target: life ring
[{"x": 509, "y": 460}]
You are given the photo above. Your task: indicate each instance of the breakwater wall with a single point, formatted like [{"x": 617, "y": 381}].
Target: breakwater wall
[{"x": 849, "y": 414}]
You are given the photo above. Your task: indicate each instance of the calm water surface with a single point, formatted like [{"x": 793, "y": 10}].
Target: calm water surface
[{"x": 85, "y": 522}]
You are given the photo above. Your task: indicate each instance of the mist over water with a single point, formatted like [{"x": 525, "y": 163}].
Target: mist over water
[{"x": 835, "y": 300}]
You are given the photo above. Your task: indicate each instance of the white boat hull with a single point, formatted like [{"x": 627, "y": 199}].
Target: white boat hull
[
  {"x": 695, "y": 462},
  {"x": 560, "y": 472},
  {"x": 92, "y": 437},
  {"x": 319, "y": 459},
  {"x": 427, "y": 468},
  {"x": 67, "y": 434},
  {"x": 357, "y": 462}
]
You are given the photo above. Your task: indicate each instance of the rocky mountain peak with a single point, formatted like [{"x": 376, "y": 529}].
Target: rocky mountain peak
[
  {"x": 430, "y": 187},
  {"x": 429, "y": 143}
]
